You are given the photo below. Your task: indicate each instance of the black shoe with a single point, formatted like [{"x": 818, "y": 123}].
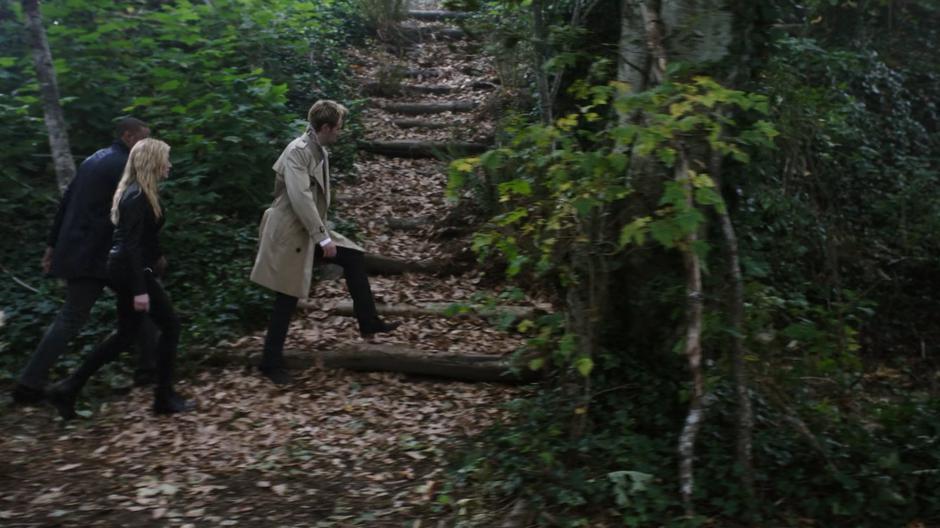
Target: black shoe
[
  {"x": 62, "y": 396},
  {"x": 144, "y": 377},
  {"x": 381, "y": 328},
  {"x": 277, "y": 375},
  {"x": 23, "y": 395},
  {"x": 172, "y": 403}
]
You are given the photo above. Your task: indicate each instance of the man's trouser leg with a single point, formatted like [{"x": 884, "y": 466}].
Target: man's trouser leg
[
  {"x": 357, "y": 282},
  {"x": 81, "y": 295},
  {"x": 283, "y": 309}
]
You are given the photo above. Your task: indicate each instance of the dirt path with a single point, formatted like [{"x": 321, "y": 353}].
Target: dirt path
[{"x": 336, "y": 448}]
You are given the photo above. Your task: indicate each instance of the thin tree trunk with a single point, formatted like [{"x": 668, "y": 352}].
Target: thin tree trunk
[
  {"x": 541, "y": 57},
  {"x": 693, "y": 347},
  {"x": 745, "y": 414},
  {"x": 49, "y": 93},
  {"x": 655, "y": 42},
  {"x": 655, "y": 38}
]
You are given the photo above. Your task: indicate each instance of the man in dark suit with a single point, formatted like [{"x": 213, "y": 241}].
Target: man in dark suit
[{"x": 77, "y": 250}]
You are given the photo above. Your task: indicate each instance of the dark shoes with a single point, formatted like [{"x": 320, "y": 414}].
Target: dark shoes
[
  {"x": 277, "y": 375},
  {"x": 23, "y": 395},
  {"x": 62, "y": 396},
  {"x": 381, "y": 328},
  {"x": 171, "y": 403}
]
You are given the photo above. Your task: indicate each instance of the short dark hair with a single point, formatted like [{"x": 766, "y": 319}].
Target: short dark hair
[{"x": 128, "y": 124}]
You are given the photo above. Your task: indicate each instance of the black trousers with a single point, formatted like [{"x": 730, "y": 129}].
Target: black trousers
[
  {"x": 81, "y": 295},
  {"x": 357, "y": 282},
  {"x": 129, "y": 324}
]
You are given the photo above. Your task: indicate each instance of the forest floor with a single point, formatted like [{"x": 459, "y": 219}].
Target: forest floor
[{"x": 336, "y": 448}]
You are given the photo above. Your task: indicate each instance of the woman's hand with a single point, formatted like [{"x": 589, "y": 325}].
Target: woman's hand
[{"x": 141, "y": 303}]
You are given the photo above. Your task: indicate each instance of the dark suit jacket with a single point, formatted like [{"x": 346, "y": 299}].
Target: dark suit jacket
[{"x": 81, "y": 232}]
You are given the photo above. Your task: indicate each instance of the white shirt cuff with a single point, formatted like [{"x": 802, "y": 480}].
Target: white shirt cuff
[{"x": 326, "y": 241}]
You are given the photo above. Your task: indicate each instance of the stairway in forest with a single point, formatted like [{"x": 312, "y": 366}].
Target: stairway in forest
[
  {"x": 428, "y": 93},
  {"x": 337, "y": 447}
]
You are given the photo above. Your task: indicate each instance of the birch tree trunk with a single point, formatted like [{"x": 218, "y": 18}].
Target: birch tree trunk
[
  {"x": 693, "y": 347},
  {"x": 49, "y": 94}
]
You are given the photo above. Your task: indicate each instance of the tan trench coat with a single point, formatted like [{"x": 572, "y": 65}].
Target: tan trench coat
[{"x": 296, "y": 220}]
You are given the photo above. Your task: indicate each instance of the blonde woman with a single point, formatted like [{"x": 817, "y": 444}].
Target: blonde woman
[{"x": 135, "y": 252}]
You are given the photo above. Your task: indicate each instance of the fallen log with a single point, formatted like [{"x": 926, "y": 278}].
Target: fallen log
[
  {"x": 442, "y": 310},
  {"x": 422, "y": 149},
  {"x": 418, "y": 123},
  {"x": 423, "y": 33},
  {"x": 379, "y": 265},
  {"x": 438, "y": 15},
  {"x": 420, "y": 72},
  {"x": 408, "y": 224},
  {"x": 371, "y": 357},
  {"x": 429, "y": 108},
  {"x": 396, "y": 358},
  {"x": 388, "y": 89}
]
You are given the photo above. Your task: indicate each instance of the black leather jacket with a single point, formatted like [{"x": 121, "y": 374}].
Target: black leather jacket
[{"x": 135, "y": 247}]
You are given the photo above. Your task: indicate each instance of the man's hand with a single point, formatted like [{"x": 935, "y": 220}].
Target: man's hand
[
  {"x": 329, "y": 250},
  {"x": 47, "y": 259},
  {"x": 159, "y": 269},
  {"x": 142, "y": 303}
]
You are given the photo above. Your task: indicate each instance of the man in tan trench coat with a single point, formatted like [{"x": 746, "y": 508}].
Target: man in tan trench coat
[{"x": 294, "y": 234}]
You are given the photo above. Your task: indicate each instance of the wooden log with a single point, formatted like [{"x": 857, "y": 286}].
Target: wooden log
[
  {"x": 390, "y": 89},
  {"x": 408, "y": 224},
  {"x": 379, "y": 265},
  {"x": 411, "y": 33},
  {"x": 437, "y": 15},
  {"x": 420, "y": 72},
  {"x": 422, "y": 149},
  {"x": 428, "y": 108},
  {"x": 441, "y": 310},
  {"x": 371, "y": 357},
  {"x": 396, "y": 358},
  {"x": 418, "y": 123}
]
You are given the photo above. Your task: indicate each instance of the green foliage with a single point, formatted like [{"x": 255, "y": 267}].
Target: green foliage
[
  {"x": 225, "y": 83},
  {"x": 829, "y": 176}
]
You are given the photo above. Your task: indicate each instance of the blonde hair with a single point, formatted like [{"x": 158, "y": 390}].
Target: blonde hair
[
  {"x": 146, "y": 165},
  {"x": 326, "y": 112}
]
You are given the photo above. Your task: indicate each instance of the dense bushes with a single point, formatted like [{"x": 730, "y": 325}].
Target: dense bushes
[
  {"x": 225, "y": 83},
  {"x": 837, "y": 229}
]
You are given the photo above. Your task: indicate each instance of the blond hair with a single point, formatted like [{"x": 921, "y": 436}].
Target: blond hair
[
  {"x": 146, "y": 165},
  {"x": 326, "y": 112}
]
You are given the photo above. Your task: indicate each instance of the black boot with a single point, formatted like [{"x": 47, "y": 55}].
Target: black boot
[
  {"x": 62, "y": 396},
  {"x": 378, "y": 328},
  {"x": 24, "y": 395},
  {"x": 168, "y": 401}
]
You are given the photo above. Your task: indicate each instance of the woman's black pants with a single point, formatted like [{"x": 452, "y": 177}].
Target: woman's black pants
[{"x": 129, "y": 324}]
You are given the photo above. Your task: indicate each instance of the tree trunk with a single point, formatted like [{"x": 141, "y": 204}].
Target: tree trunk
[
  {"x": 633, "y": 55},
  {"x": 693, "y": 347},
  {"x": 540, "y": 46},
  {"x": 49, "y": 93},
  {"x": 745, "y": 414}
]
